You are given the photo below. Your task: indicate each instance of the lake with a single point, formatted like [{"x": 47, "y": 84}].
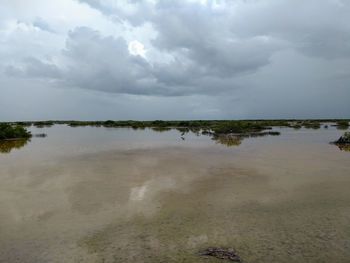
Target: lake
[{"x": 93, "y": 194}]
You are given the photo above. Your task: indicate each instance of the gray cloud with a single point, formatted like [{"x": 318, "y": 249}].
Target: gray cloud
[
  {"x": 203, "y": 35},
  {"x": 91, "y": 61},
  {"x": 34, "y": 68},
  {"x": 104, "y": 63},
  {"x": 215, "y": 42},
  {"x": 43, "y": 25},
  {"x": 243, "y": 54},
  {"x": 319, "y": 28},
  {"x": 135, "y": 12}
]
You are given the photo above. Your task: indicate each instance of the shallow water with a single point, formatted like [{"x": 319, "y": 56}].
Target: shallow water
[{"x": 120, "y": 195}]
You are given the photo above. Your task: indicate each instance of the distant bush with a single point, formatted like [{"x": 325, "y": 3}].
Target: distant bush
[
  {"x": 343, "y": 124},
  {"x": 312, "y": 125},
  {"x": 109, "y": 123},
  {"x": 42, "y": 124},
  {"x": 238, "y": 127}
]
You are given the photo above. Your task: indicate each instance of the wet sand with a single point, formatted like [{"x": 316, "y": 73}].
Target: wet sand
[{"x": 119, "y": 195}]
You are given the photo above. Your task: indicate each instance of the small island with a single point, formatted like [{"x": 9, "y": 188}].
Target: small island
[
  {"x": 344, "y": 140},
  {"x": 13, "y": 132}
]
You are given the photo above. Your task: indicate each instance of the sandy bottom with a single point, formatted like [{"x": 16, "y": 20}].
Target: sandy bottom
[{"x": 280, "y": 199}]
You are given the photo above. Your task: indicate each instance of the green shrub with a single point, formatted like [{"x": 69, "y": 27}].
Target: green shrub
[
  {"x": 8, "y": 131},
  {"x": 342, "y": 124}
]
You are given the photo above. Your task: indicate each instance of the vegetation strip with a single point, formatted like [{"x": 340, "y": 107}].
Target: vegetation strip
[{"x": 217, "y": 126}]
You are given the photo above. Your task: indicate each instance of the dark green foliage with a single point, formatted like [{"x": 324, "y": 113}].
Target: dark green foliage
[
  {"x": 238, "y": 127},
  {"x": 8, "y": 131},
  {"x": 23, "y": 123},
  {"x": 42, "y": 124},
  {"x": 108, "y": 123}
]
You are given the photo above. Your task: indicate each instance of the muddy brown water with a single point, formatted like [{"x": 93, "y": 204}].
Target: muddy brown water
[{"x": 120, "y": 195}]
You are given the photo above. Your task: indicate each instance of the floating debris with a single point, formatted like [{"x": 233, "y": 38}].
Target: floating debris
[
  {"x": 40, "y": 135},
  {"x": 221, "y": 253},
  {"x": 345, "y": 139}
]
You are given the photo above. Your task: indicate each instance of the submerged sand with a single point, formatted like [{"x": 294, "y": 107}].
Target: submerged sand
[{"x": 118, "y": 195}]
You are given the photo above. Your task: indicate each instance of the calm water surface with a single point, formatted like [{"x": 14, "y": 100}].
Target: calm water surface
[{"x": 120, "y": 195}]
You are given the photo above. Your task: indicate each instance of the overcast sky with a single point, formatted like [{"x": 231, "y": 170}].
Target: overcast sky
[{"x": 195, "y": 59}]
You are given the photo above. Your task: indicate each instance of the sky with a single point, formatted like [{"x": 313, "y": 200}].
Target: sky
[{"x": 193, "y": 59}]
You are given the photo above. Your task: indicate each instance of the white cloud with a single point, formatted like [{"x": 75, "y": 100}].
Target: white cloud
[{"x": 137, "y": 49}]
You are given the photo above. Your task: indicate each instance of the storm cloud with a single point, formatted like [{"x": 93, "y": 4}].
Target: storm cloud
[{"x": 241, "y": 59}]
